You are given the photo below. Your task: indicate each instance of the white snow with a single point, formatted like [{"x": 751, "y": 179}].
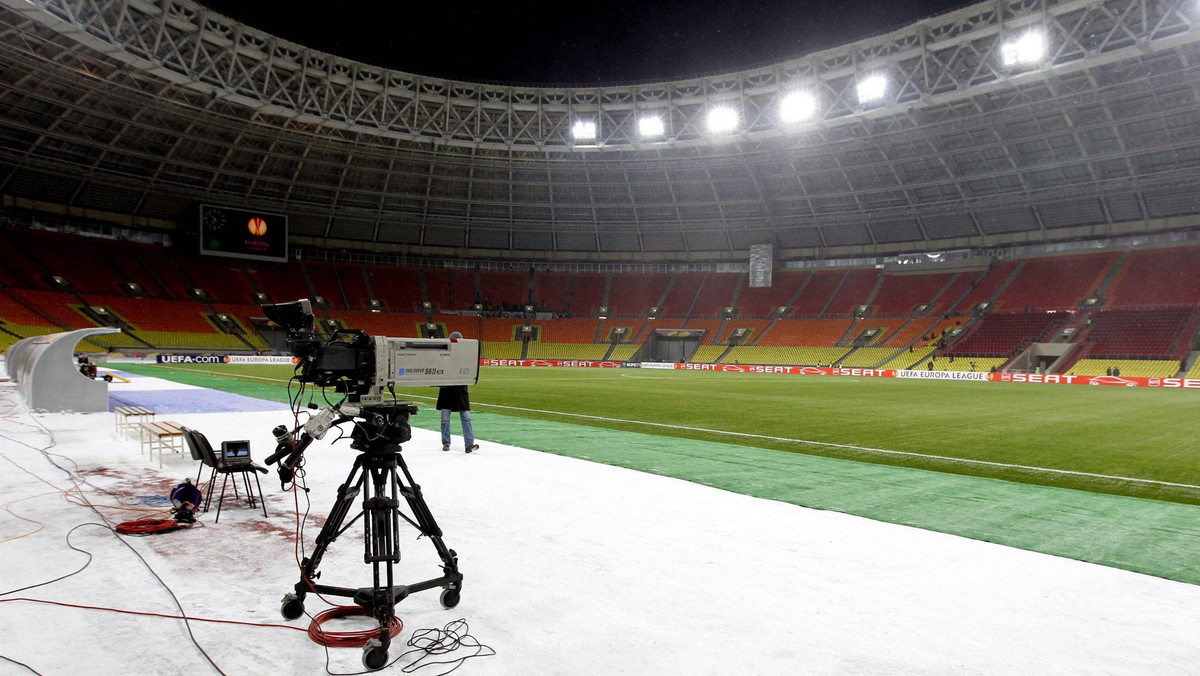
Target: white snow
[{"x": 570, "y": 568}]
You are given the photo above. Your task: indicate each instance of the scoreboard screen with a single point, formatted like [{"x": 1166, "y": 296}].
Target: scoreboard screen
[{"x": 243, "y": 233}]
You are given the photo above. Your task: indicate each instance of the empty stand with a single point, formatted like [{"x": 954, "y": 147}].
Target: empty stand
[
  {"x": 568, "y": 330},
  {"x": 123, "y": 257},
  {"x": 221, "y": 342},
  {"x": 577, "y": 294},
  {"x": 56, "y": 305},
  {"x": 1059, "y": 282},
  {"x": 504, "y": 289},
  {"x": 76, "y": 259},
  {"x": 899, "y": 294},
  {"x": 1162, "y": 333},
  {"x": 1158, "y": 276},
  {"x": 399, "y": 289},
  {"x": 867, "y": 357},
  {"x": 623, "y": 352},
  {"x": 500, "y": 350},
  {"x": 762, "y": 301},
  {"x": 716, "y": 294},
  {"x": 566, "y": 351},
  {"x": 501, "y": 329},
  {"x": 854, "y": 291},
  {"x": 802, "y": 356},
  {"x": 14, "y": 312},
  {"x": 707, "y": 354},
  {"x": 974, "y": 363},
  {"x": 587, "y": 293},
  {"x": 451, "y": 289},
  {"x": 986, "y": 287},
  {"x": 325, "y": 282},
  {"x": 469, "y": 327},
  {"x": 353, "y": 284},
  {"x": 958, "y": 288},
  {"x": 241, "y": 314},
  {"x": 755, "y": 329},
  {"x": 907, "y": 359},
  {"x": 682, "y": 294},
  {"x": 552, "y": 290},
  {"x": 1140, "y": 368},
  {"x": 158, "y": 315},
  {"x": 282, "y": 282},
  {"x": 925, "y": 330},
  {"x": 805, "y": 332},
  {"x": 1194, "y": 371},
  {"x": 159, "y": 261},
  {"x": 396, "y": 325},
  {"x": 817, "y": 294},
  {"x": 1147, "y": 326},
  {"x": 222, "y": 278},
  {"x": 18, "y": 269},
  {"x": 1000, "y": 334},
  {"x": 884, "y": 329},
  {"x": 631, "y": 295}
]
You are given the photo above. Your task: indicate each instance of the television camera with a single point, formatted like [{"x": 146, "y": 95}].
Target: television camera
[
  {"x": 355, "y": 363},
  {"x": 363, "y": 368}
]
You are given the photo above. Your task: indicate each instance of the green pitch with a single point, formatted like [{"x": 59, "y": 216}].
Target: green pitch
[
  {"x": 1126, "y": 441},
  {"x": 765, "y": 436}
]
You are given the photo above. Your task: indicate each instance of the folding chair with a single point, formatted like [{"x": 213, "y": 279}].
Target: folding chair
[{"x": 198, "y": 446}]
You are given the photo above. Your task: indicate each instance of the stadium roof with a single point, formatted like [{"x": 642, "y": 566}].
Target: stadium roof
[
  {"x": 572, "y": 43},
  {"x": 147, "y": 108}
]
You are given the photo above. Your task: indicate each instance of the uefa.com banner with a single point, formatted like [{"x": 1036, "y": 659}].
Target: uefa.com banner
[
  {"x": 223, "y": 359},
  {"x": 979, "y": 376}
]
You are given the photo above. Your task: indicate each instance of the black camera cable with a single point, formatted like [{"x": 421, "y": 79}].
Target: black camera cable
[{"x": 109, "y": 527}]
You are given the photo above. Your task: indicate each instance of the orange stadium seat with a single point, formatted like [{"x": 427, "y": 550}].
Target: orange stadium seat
[{"x": 1150, "y": 310}]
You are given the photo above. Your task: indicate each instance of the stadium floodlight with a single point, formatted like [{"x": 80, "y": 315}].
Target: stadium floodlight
[
  {"x": 1027, "y": 49},
  {"x": 722, "y": 120},
  {"x": 797, "y": 107},
  {"x": 872, "y": 89},
  {"x": 650, "y": 126},
  {"x": 584, "y": 130}
]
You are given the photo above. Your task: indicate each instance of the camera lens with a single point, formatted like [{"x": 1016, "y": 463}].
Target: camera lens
[{"x": 282, "y": 435}]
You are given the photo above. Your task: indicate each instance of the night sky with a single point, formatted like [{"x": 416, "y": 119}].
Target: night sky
[{"x": 582, "y": 43}]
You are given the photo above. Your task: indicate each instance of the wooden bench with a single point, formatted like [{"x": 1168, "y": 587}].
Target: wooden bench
[
  {"x": 129, "y": 417},
  {"x": 163, "y": 436}
]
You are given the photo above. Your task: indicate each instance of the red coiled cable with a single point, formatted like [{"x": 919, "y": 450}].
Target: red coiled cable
[
  {"x": 348, "y": 639},
  {"x": 147, "y": 526}
]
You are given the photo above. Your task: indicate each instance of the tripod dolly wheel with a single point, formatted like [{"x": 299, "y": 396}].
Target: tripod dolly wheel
[
  {"x": 449, "y": 598},
  {"x": 375, "y": 655},
  {"x": 292, "y": 608}
]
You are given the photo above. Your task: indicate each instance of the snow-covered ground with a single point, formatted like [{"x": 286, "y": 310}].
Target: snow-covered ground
[{"x": 570, "y": 568}]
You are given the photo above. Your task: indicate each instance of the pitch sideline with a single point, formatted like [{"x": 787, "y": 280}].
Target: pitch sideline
[
  {"x": 765, "y": 437},
  {"x": 864, "y": 449}
]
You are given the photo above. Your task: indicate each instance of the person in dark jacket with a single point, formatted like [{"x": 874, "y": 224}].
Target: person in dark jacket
[{"x": 454, "y": 398}]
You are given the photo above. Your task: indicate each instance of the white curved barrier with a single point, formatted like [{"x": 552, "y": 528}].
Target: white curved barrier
[{"x": 47, "y": 377}]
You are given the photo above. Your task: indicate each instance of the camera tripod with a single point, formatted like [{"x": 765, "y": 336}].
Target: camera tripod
[{"x": 381, "y": 477}]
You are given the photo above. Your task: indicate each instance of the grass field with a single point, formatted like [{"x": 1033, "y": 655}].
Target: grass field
[{"x": 1136, "y": 442}]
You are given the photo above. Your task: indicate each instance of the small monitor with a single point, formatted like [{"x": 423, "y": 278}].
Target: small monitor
[{"x": 235, "y": 452}]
